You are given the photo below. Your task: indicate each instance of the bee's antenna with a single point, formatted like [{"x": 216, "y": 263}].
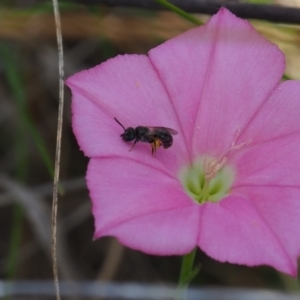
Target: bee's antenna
[{"x": 120, "y": 124}]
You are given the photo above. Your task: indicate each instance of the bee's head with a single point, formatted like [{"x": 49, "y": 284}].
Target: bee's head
[{"x": 129, "y": 134}]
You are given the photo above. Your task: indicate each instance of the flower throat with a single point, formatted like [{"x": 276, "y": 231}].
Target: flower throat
[{"x": 209, "y": 179}]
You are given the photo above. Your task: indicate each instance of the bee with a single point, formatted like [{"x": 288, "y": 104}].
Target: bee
[{"x": 156, "y": 136}]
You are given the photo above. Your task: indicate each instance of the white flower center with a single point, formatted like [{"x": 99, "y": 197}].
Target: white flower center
[{"x": 208, "y": 178}]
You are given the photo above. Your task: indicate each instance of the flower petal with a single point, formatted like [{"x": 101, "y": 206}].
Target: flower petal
[
  {"x": 160, "y": 233},
  {"x": 234, "y": 231},
  {"x": 279, "y": 115},
  {"x": 280, "y": 208},
  {"x": 275, "y": 162},
  {"x": 128, "y": 88},
  {"x": 147, "y": 211},
  {"x": 217, "y": 75}
]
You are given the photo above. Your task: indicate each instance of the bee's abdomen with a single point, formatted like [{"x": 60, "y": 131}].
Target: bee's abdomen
[{"x": 166, "y": 139}]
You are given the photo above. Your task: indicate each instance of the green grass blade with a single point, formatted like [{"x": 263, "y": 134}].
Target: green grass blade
[{"x": 180, "y": 12}]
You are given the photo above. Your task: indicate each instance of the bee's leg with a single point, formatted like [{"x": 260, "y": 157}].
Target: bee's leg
[
  {"x": 135, "y": 141},
  {"x": 153, "y": 146}
]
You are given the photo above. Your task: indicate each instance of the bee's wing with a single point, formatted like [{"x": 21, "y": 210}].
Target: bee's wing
[{"x": 172, "y": 131}]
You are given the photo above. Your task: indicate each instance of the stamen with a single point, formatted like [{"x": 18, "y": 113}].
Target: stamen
[
  {"x": 233, "y": 144},
  {"x": 213, "y": 165},
  {"x": 236, "y": 136}
]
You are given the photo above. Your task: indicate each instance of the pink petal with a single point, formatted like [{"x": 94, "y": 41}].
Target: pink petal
[
  {"x": 128, "y": 88},
  {"x": 168, "y": 232},
  {"x": 217, "y": 75},
  {"x": 141, "y": 206},
  {"x": 279, "y": 115},
  {"x": 275, "y": 162},
  {"x": 280, "y": 208},
  {"x": 235, "y": 231}
]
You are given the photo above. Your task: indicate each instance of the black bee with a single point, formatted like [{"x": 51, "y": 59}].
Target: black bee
[{"x": 156, "y": 136}]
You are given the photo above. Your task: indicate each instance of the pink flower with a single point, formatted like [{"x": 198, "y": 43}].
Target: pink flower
[{"x": 230, "y": 183}]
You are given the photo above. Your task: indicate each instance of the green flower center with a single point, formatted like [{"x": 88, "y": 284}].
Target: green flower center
[{"x": 207, "y": 179}]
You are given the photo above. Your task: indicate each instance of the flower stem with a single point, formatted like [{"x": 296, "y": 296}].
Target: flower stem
[
  {"x": 187, "y": 272},
  {"x": 186, "y": 268}
]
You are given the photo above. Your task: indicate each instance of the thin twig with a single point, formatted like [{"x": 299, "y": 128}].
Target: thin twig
[{"x": 58, "y": 145}]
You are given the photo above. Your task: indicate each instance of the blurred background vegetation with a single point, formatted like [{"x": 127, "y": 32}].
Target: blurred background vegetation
[{"x": 28, "y": 122}]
